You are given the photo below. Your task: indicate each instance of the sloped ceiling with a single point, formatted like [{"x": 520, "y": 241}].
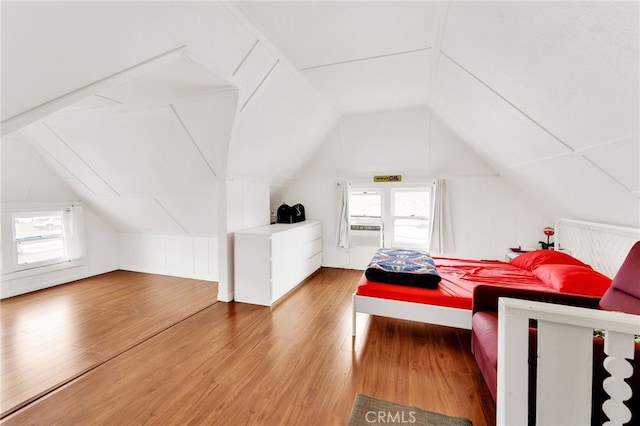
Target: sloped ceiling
[
  {"x": 143, "y": 107},
  {"x": 146, "y": 153},
  {"x": 546, "y": 93},
  {"x": 27, "y": 177},
  {"x": 359, "y": 147},
  {"x": 363, "y": 56}
]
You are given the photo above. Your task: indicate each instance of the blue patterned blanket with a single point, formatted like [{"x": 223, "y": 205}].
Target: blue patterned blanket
[{"x": 403, "y": 267}]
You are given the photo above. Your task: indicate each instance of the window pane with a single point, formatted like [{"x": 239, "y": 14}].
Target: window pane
[
  {"x": 365, "y": 204},
  {"x": 411, "y": 233},
  {"x": 411, "y": 203},
  {"x": 38, "y": 226},
  {"x": 31, "y": 251},
  {"x": 39, "y": 238}
]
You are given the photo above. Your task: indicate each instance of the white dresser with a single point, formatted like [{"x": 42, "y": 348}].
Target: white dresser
[{"x": 270, "y": 261}]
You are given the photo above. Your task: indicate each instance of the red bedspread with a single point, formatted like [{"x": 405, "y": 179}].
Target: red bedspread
[{"x": 459, "y": 278}]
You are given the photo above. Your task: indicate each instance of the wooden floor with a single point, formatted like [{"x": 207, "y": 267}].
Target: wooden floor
[
  {"x": 52, "y": 336},
  {"x": 234, "y": 363}
]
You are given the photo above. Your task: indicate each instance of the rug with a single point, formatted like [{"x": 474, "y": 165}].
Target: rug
[{"x": 368, "y": 411}]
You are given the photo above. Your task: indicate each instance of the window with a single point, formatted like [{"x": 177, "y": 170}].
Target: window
[
  {"x": 410, "y": 215},
  {"x": 38, "y": 238},
  {"x": 365, "y": 218},
  {"x": 392, "y": 216},
  {"x": 365, "y": 205}
]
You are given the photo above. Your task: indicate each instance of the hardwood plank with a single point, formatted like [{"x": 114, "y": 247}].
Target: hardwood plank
[{"x": 294, "y": 363}]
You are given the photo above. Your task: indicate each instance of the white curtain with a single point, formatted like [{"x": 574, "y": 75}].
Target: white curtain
[
  {"x": 441, "y": 231},
  {"x": 344, "y": 232},
  {"x": 74, "y": 231}
]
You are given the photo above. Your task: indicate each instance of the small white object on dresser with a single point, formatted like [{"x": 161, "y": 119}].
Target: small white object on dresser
[{"x": 270, "y": 261}]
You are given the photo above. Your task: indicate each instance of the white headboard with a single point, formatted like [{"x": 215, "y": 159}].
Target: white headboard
[{"x": 600, "y": 245}]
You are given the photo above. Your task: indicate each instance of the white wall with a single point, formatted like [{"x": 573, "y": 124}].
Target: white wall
[
  {"x": 28, "y": 180},
  {"x": 242, "y": 204},
  {"x": 246, "y": 205},
  {"x": 101, "y": 256},
  {"x": 185, "y": 256},
  {"x": 489, "y": 215}
]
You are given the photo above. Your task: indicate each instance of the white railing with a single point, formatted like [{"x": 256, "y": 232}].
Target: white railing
[{"x": 564, "y": 362}]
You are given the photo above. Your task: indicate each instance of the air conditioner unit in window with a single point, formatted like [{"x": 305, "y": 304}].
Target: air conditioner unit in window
[{"x": 366, "y": 235}]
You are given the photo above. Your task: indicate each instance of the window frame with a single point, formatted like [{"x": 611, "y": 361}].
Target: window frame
[
  {"x": 387, "y": 191},
  {"x": 72, "y": 235},
  {"x": 393, "y": 217},
  {"x": 17, "y": 240},
  {"x": 365, "y": 191},
  {"x": 361, "y": 225}
]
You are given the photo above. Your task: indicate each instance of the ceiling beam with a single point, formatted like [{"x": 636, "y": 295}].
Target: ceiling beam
[{"x": 34, "y": 114}]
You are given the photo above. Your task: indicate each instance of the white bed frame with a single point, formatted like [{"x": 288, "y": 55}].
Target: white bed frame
[{"x": 602, "y": 246}]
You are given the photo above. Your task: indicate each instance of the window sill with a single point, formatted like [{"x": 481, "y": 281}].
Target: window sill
[{"x": 43, "y": 269}]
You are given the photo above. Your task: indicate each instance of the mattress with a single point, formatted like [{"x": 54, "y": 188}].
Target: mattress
[{"x": 458, "y": 279}]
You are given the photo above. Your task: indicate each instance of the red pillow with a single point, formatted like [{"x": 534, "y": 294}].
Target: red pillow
[
  {"x": 533, "y": 259},
  {"x": 573, "y": 279}
]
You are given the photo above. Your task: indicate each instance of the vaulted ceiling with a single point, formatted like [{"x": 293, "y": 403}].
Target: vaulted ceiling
[{"x": 143, "y": 106}]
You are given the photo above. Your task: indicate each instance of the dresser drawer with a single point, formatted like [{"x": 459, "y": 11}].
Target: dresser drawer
[{"x": 271, "y": 261}]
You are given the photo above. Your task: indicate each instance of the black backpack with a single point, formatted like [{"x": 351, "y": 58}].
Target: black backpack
[{"x": 290, "y": 214}]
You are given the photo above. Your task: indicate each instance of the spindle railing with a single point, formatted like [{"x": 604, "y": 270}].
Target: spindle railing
[{"x": 564, "y": 362}]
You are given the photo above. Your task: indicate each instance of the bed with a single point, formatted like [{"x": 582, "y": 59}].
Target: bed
[{"x": 600, "y": 246}]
